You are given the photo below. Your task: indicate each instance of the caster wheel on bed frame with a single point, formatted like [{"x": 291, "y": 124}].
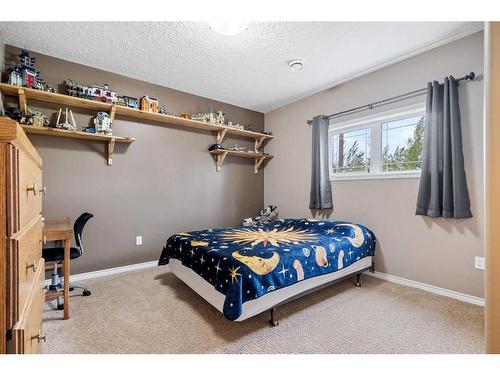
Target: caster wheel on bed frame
[
  {"x": 273, "y": 321},
  {"x": 358, "y": 283}
]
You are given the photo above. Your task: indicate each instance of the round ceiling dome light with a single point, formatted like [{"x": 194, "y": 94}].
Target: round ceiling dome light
[
  {"x": 296, "y": 65},
  {"x": 228, "y": 28}
]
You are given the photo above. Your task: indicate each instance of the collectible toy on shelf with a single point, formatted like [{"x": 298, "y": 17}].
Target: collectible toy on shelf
[
  {"x": 93, "y": 92},
  {"x": 120, "y": 100},
  {"x": 163, "y": 110},
  {"x": 14, "y": 113},
  {"x": 149, "y": 104},
  {"x": 66, "y": 124},
  {"x": 185, "y": 114},
  {"x": 25, "y": 74},
  {"x": 127, "y": 101},
  {"x": 219, "y": 119},
  {"x": 236, "y": 126},
  {"x": 36, "y": 118},
  {"x": 103, "y": 123},
  {"x": 237, "y": 148},
  {"x": 215, "y": 147},
  {"x": 204, "y": 117}
]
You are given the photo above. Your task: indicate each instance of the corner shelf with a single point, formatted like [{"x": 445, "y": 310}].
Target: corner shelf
[
  {"x": 110, "y": 140},
  {"x": 220, "y": 131},
  {"x": 220, "y": 155}
]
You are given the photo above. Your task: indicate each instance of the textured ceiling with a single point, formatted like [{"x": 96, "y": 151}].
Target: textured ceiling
[{"x": 250, "y": 69}]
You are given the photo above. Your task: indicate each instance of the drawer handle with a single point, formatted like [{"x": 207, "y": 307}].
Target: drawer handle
[
  {"x": 34, "y": 266},
  {"x": 33, "y": 189},
  {"x": 41, "y": 337}
]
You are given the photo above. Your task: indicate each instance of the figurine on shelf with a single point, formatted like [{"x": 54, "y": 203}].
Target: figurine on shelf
[
  {"x": 185, "y": 114},
  {"x": 103, "y": 123},
  {"x": 66, "y": 124},
  {"x": 235, "y": 126},
  {"x": 103, "y": 94},
  {"x": 29, "y": 75},
  {"x": 15, "y": 76},
  {"x": 25, "y": 74},
  {"x": 14, "y": 113},
  {"x": 163, "y": 110},
  {"x": 219, "y": 119},
  {"x": 215, "y": 147},
  {"x": 120, "y": 101},
  {"x": 237, "y": 148},
  {"x": 36, "y": 118},
  {"x": 131, "y": 102},
  {"x": 149, "y": 104}
]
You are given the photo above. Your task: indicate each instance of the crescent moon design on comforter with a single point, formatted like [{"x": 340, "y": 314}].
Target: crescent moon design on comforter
[{"x": 244, "y": 263}]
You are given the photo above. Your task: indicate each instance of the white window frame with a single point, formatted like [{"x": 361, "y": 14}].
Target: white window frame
[{"x": 374, "y": 122}]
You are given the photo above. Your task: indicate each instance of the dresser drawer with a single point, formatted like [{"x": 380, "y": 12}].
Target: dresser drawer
[
  {"x": 29, "y": 250},
  {"x": 27, "y": 334},
  {"x": 29, "y": 188}
]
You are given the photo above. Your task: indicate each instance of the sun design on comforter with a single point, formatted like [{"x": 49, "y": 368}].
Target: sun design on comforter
[{"x": 275, "y": 237}]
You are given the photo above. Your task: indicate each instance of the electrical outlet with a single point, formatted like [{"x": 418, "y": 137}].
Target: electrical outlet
[
  {"x": 479, "y": 263},
  {"x": 138, "y": 240}
]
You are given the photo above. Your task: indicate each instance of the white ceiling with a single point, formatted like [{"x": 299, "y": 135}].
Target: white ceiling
[{"x": 250, "y": 69}]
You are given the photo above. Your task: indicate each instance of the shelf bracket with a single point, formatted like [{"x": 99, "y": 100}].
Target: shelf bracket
[
  {"x": 219, "y": 159},
  {"x": 112, "y": 113},
  {"x": 258, "y": 143},
  {"x": 220, "y": 135},
  {"x": 22, "y": 101},
  {"x": 258, "y": 162},
  {"x": 110, "y": 149}
]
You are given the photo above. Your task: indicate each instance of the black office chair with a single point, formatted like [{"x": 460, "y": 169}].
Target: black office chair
[{"x": 55, "y": 255}]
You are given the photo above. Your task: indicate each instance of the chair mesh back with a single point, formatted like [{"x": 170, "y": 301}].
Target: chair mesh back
[{"x": 78, "y": 228}]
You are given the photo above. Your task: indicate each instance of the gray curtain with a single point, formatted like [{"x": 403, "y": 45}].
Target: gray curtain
[
  {"x": 443, "y": 185},
  {"x": 321, "y": 191}
]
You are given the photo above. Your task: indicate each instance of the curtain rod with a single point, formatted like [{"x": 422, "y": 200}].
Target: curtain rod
[{"x": 467, "y": 77}]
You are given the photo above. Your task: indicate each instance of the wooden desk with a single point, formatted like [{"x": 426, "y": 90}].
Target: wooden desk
[{"x": 59, "y": 229}]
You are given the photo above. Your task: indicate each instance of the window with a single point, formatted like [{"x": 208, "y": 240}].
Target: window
[
  {"x": 351, "y": 151},
  {"x": 386, "y": 145},
  {"x": 402, "y": 142}
]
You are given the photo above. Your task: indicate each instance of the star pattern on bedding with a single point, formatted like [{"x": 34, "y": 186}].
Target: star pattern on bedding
[{"x": 244, "y": 263}]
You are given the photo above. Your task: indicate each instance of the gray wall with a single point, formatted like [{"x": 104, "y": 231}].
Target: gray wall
[
  {"x": 162, "y": 183},
  {"x": 434, "y": 251}
]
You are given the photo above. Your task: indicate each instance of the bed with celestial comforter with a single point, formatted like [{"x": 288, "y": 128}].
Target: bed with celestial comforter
[{"x": 246, "y": 263}]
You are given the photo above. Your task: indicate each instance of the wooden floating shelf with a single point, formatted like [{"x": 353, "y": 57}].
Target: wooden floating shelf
[
  {"x": 220, "y": 155},
  {"x": 72, "y": 101},
  {"x": 220, "y": 131},
  {"x": 110, "y": 140}
]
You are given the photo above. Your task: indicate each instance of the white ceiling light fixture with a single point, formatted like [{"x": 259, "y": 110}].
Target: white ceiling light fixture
[
  {"x": 296, "y": 65},
  {"x": 228, "y": 28}
]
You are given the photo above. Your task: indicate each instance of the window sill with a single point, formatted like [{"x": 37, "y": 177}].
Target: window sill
[{"x": 377, "y": 176}]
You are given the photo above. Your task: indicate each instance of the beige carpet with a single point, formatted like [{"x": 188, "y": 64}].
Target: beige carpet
[{"x": 151, "y": 311}]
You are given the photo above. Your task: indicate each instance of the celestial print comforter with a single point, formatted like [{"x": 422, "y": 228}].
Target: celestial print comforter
[{"x": 244, "y": 263}]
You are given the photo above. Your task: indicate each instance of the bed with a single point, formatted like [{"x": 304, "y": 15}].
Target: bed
[{"x": 243, "y": 271}]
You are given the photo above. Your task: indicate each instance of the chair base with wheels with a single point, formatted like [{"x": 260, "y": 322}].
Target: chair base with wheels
[{"x": 54, "y": 256}]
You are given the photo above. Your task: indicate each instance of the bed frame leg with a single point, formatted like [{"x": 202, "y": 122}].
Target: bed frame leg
[
  {"x": 372, "y": 268},
  {"x": 274, "y": 321},
  {"x": 358, "y": 278}
]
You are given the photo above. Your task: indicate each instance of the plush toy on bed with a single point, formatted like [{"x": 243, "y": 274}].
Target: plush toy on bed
[{"x": 267, "y": 214}]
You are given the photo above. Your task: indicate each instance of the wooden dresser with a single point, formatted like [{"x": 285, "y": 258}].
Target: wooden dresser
[{"x": 22, "y": 271}]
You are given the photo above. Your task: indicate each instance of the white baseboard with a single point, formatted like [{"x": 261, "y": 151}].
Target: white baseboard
[
  {"x": 109, "y": 271},
  {"x": 394, "y": 279},
  {"x": 428, "y": 288}
]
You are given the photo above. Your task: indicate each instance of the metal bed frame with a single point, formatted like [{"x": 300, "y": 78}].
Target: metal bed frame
[{"x": 273, "y": 310}]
